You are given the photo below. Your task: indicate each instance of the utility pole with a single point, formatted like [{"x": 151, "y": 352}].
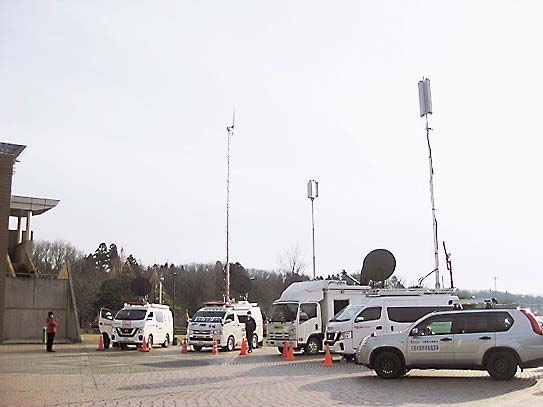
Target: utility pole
[
  {"x": 312, "y": 193},
  {"x": 230, "y": 131},
  {"x": 425, "y": 103}
]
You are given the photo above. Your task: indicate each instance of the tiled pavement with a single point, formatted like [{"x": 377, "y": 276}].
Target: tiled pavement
[{"x": 79, "y": 375}]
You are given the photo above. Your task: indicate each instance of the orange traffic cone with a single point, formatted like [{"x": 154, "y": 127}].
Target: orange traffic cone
[
  {"x": 243, "y": 347},
  {"x": 214, "y": 351},
  {"x": 290, "y": 353},
  {"x": 144, "y": 347},
  {"x": 185, "y": 347},
  {"x": 328, "y": 357},
  {"x": 101, "y": 343},
  {"x": 285, "y": 349}
]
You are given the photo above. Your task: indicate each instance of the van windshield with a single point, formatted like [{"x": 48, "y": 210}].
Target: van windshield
[
  {"x": 285, "y": 312},
  {"x": 209, "y": 316},
  {"x": 131, "y": 314},
  {"x": 346, "y": 314}
]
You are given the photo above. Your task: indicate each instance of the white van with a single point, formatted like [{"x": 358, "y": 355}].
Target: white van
[
  {"x": 137, "y": 320},
  {"x": 241, "y": 308},
  {"x": 215, "y": 321},
  {"x": 384, "y": 311}
]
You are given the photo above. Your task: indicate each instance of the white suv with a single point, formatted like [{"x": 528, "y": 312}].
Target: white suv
[{"x": 496, "y": 340}]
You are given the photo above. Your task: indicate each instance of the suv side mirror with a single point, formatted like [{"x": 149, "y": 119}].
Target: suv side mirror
[
  {"x": 359, "y": 319},
  {"x": 414, "y": 332},
  {"x": 227, "y": 321}
]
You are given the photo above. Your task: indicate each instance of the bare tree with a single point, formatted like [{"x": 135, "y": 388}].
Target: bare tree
[
  {"x": 48, "y": 257},
  {"x": 291, "y": 260}
]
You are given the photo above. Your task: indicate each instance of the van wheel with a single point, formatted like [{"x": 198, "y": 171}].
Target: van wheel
[
  {"x": 166, "y": 342},
  {"x": 150, "y": 341},
  {"x": 501, "y": 366},
  {"x": 107, "y": 341},
  {"x": 197, "y": 348},
  {"x": 312, "y": 346},
  {"x": 230, "y": 344},
  {"x": 255, "y": 341},
  {"x": 388, "y": 365},
  {"x": 348, "y": 357}
]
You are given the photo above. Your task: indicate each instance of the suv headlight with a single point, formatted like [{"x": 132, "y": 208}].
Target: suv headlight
[{"x": 346, "y": 335}]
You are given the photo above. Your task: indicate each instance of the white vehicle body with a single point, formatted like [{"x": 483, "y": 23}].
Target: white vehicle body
[
  {"x": 300, "y": 315},
  {"x": 241, "y": 308},
  {"x": 136, "y": 321},
  {"x": 383, "y": 311},
  {"x": 496, "y": 340},
  {"x": 221, "y": 322}
]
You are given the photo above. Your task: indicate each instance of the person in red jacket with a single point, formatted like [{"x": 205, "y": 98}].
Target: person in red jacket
[{"x": 51, "y": 323}]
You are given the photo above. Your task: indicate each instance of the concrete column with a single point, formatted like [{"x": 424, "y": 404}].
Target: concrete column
[
  {"x": 28, "y": 226},
  {"x": 19, "y": 230}
]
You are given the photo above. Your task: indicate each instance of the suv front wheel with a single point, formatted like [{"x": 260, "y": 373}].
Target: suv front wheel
[
  {"x": 501, "y": 365},
  {"x": 388, "y": 365}
]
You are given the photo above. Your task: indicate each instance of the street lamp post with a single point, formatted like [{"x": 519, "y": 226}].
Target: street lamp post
[{"x": 312, "y": 193}]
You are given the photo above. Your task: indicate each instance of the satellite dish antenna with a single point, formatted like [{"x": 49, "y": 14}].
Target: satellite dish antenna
[
  {"x": 378, "y": 265},
  {"x": 141, "y": 286}
]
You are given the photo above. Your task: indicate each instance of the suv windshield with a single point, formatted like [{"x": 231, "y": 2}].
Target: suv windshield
[
  {"x": 131, "y": 314},
  {"x": 209, "y": 316},
  {"x": 347, "y": 313},
  {"x": 283, "y": 312}
]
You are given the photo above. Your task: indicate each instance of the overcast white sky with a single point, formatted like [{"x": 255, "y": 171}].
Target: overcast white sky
[{"x": 124, "y": 106}]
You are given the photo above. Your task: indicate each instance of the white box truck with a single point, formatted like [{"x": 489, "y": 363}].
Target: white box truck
[
  {"x": 301, "y": 314},
  {"x": 384, "y": 311}
]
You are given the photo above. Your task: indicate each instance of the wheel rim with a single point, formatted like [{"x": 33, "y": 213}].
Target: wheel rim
[
  {"x": 255, "y": 341},
  {"x": 167, "y": 341},
  {"x": 150, "y": 341},
  {"x": 387, "y": 366},
  {"x": 230, "y": 343},
  {"x": 501, "y": 366},
  {"x": 313, "y": 347}
]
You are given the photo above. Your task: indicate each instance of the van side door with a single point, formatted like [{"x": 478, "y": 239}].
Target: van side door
[
  {"x": 368, "y": 321},
  {"x": 161, "y": 332},
  {"x": 105, "y": 321}
]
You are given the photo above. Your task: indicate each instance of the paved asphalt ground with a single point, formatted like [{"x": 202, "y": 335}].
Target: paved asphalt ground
[{"x": 79, "y": 375}]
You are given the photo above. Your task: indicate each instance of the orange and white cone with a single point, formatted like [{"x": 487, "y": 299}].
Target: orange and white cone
[
  {"x": 243, "y": 347},
  {"x": 214, "y": 351},
  {"x": 328, "y": 357},
  {"x": 290, "y": 353},
  {"x": 100, "y": 343},
  {"x": 285, "y": 349},
  {"x": 144, "y": 347},
  {"x": 184, "y": 348}
]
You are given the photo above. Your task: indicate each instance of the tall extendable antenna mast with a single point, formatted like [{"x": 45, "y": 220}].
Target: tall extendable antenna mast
[
  {"x": 425, "y": 103},
  {"x": 230, "y": 130}
]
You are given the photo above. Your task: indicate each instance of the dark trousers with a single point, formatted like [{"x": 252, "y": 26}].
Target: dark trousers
[
  {"x": 50, "y": 339},
  {"x": 250, "y": 339}
]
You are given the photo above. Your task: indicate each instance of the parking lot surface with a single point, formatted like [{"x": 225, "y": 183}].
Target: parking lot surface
[{"x": 79, "y": 375}]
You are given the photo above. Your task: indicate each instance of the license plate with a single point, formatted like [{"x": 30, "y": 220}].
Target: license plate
[{"x": 278, "y": 327}]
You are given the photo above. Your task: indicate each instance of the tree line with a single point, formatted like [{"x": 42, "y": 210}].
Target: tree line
[{"x": 103, "y": 279}]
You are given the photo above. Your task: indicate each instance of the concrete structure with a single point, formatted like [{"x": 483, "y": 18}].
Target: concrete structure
[{"x": 25, "y": 298}]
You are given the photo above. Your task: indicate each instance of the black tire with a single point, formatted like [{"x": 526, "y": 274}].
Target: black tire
[
  {"x": 280, "y": 349},
  {"x": 501, "y": 365},
  {"x": 312, "y": 346},
  {"x": 388, "y": 365},
  {"x": 348, "y": 357},
  {"x": 107, "y": 341},
  {"x": 197, "y": 348},
  {"x": 230, "y": 344},
  {"x": 150, "y": 341},
  {"x": 166, "y": 342},
  {"x": 255, "y": 341}
]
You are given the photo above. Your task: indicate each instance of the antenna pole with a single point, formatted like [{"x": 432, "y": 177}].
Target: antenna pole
[
  {"x": 313, "y": 230},
  {"x": 434, "y": 220},
  {"x": 230, "y": 130}
]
